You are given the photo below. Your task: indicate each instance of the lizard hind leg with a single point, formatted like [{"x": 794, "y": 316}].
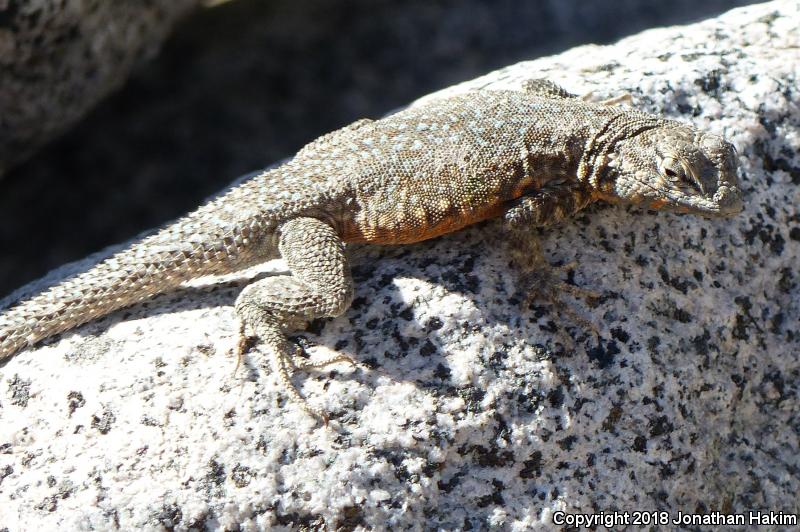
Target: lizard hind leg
[{"x": 319, "y": 286}]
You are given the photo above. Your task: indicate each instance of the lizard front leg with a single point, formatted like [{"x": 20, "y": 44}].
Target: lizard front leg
[
  {"x": 547, "y": 206},
  {"x": 319, "y": 286}
]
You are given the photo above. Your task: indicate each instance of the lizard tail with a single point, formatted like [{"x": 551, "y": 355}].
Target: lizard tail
[{"x": 155, "y": 265}]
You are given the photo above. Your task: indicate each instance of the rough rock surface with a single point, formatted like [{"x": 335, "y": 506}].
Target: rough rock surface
[
  {"x": 473, "y": 413},
  {"x": 59, "y": 57}
]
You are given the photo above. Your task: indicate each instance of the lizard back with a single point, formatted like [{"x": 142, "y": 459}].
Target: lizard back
[{"x": 436, "y": 168}]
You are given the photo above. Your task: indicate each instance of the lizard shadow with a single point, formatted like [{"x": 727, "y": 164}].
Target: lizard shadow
[
  {"x": 442, "y": 317},
  {"x": 453, "y": 265},
  {"x": 512, "y": 429},
  {"x": 406, "y": 337}
]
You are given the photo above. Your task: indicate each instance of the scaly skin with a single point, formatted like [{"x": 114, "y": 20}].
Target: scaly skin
[{"x": 533, "y": 157}]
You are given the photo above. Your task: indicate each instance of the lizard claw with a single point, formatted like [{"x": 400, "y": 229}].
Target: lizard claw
[
  {"x": 541, "y": 280},
  {"x": 305, "y": 364},
  {"x": 288, "y": 356},
  {"x": 576, "y": 291},
  {"x": 242, "y": 346}
]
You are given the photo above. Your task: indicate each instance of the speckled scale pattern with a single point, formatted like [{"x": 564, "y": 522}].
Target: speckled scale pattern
[
  {"x": 540, "y": 156},
  {"x": 435, "y": 169}
]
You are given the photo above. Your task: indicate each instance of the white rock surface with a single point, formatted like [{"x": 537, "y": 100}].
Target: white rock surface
[{"x": 473, "y": 415}]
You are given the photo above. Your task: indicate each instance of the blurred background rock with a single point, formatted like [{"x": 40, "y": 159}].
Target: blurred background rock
[{"x": 244, "y": 83}]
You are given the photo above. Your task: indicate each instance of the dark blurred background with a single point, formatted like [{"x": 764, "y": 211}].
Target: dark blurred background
[{"x": 246, "y": 83}]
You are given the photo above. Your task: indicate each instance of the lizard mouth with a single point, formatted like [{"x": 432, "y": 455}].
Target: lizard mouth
[
  {"x": 726, "y": 201},
  {"x": 729, "y": 200}
]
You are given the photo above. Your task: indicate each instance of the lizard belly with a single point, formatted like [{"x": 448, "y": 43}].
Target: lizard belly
[
  {"x": 394, "y": 224},
  {"x": 421, "y": 204}
]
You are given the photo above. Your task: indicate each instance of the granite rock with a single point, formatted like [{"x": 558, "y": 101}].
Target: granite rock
[
  {"x": 58, "y": 58},
  {"x": 470, "y": 412}
]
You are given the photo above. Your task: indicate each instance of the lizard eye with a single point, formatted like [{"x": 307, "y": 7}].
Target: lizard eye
[
  {"x": 672, "y": 168},
  {"x": 675, "y": 171}
]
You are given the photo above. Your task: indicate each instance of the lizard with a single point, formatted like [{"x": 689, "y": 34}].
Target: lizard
[{"x": 533, "y": 157}]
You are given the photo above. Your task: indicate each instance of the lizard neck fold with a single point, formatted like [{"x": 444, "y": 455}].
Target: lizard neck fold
[{"x": 620, "y": 126}]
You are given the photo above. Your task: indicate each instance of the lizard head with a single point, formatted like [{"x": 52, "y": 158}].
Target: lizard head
[{"x": 675, "y": 167}]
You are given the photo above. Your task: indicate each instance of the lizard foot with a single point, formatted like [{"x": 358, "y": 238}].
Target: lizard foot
[
  {"x": 298, "y": 361},
  {"x": 545, "y": 284},
  {"x": 541, "y": 280},
  {"x": 286, "y": 356}
]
